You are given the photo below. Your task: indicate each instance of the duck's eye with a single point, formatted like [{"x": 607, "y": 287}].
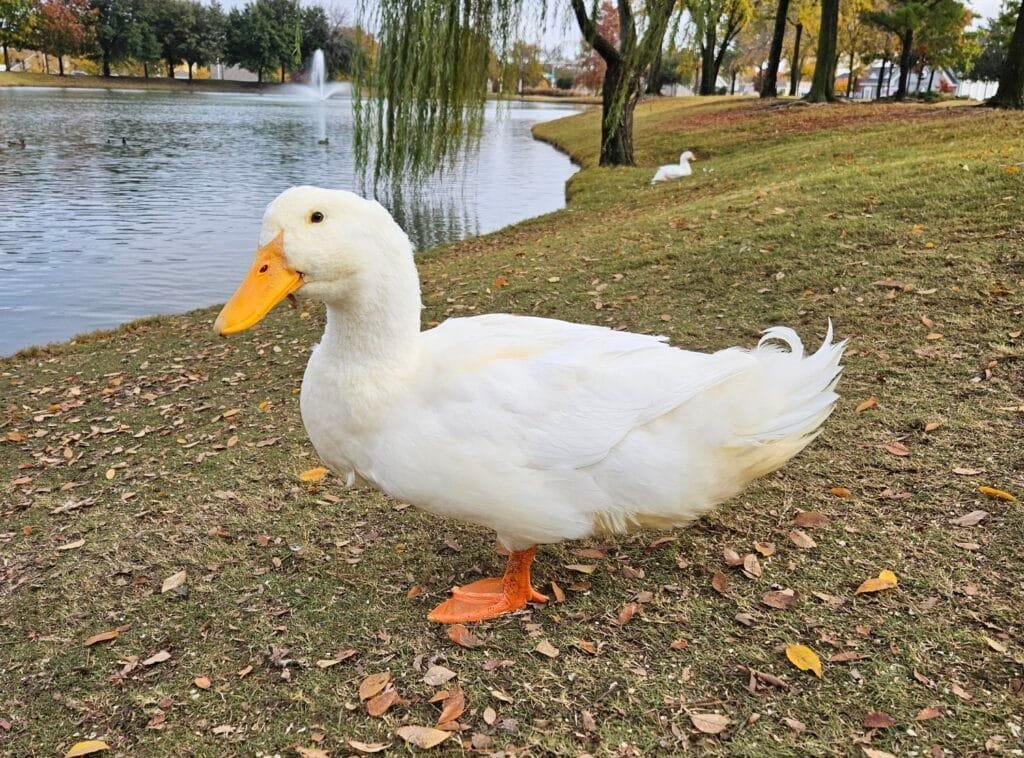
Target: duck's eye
[{"x": 316, "y": 217}]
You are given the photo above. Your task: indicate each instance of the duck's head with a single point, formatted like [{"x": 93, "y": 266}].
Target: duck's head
[
  {"x": 687, "y": 156},
  {"x": 323, "y": 242}
]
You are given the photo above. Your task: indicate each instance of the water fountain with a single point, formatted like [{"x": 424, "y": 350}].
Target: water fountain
[{"x": 316, "y": 84}]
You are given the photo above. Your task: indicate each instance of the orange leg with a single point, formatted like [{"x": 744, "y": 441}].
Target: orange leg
[{"x": 489, "y": 598}]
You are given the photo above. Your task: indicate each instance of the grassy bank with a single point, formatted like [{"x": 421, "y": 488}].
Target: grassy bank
[
  {"x": 134, "y": 455},
  {"x": 19, "y": 79}
]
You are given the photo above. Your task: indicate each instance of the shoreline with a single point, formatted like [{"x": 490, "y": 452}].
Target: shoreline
[{"x": 13, "y": 79}]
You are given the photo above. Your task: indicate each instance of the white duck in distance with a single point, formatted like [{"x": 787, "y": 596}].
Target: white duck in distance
[
  {"x": 675, "y": 170},
  {"x": 539, "y": 429}
]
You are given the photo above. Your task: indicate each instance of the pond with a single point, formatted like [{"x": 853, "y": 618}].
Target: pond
[{"x": 125, "y": 204}]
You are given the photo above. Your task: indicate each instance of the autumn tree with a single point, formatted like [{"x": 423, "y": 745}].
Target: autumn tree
[
  {"x": 113, "y": 25},
  {"x": 62, "y": 28},
  {"x": 15, "y": 25},
  {"x": 858, "y": 39},
  {"x": 769, "y": 81},
  {"x": 204, "y": 37},
  {"x": 823, "y": 84},
  {"x": 592, "y": 71},
  {"x": 994, "y": 41},
  {"x": 717, "y": 23}
]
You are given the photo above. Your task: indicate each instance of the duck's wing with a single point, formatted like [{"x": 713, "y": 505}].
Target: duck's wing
[{"x": 553, "y": 394}]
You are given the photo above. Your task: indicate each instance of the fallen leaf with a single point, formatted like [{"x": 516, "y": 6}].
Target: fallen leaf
[
  {"x": 453, "y": 706},
  {"x": 587, "y": 647},
  {"x": 156, "y": 658},
  {"x": 110, "y": 474},
  {"x": 313, "y": 474},
  {"x": 202, "y": 682},
  {"x": 996, "y": 645},
  {"x": 710, "y": 723},
  {"x": 780, "y": 600},
  {"x": 872, "y": 753},
  {"x": 174, "y": 581},
  {"x": 546, "y": 648},
  {"x": 871, "y": 402},
  {"x": 845, "y": 656},
  {"x": 311, "y": 752},
  {"x": 424, "y": 737},
  {"x": 878, "y": 720},
  {"x": 931, "y": 712},
  {"x": 885, "y": 580},
  {"x": 804, "y": 658},
  {"x": 931, "y": 426},
  {"x": 810, "y": 519},
  {"x": 378, "y": 705},
  {"x": 373, "y": 685},
  {"x": 964, "y": 471},
  {"x": 995, "y": 494},
  {"x": 767, "y": 549},
  {"x": 581, "y": 568},
  {"x": 751, "y": 565},
  {"x": 888, "y": 576},
  {"x": 720, "y": 582},
  {"x": 839, "y": 491},
  {"x": 102, "y": 637},
  {"x": 490, "y": 716},
  {"x": 794, "y": 724},
  {"x": 87, "y": 747},
  {"x": 72, "y": 545},
  {"x": 731, "y": 557},
  {"x": 970, "y": 519},
  {"x": 460, "y": 635},
  {"x": 960, "y": 692},
  {"x": 628, "y": 611},
  {"x": 897, "y": 448},
  {"x": 802, "y": 539},
  {"x": 368, "y": 747},
  {"x": 438, "y": 675}
]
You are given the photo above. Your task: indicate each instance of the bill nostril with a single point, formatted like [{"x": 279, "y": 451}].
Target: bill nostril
[{"x": 263, "y": 268}]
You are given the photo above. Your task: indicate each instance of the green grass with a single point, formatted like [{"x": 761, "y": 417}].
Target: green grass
[{"x": 802, "y": 212}]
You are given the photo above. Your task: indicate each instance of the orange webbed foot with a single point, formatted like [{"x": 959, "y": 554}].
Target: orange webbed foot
[{"x": 493, "y": 597}]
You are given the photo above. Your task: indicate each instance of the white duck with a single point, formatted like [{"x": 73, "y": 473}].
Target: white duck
[
  {"x": 541, "y": 430},
  {"x": 675, "y": 170}
]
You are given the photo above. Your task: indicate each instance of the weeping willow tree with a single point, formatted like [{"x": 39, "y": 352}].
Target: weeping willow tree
[{"x": 420, "y": 101}]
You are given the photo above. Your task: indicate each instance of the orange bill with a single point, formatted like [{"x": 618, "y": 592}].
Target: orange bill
[{"x": 269, "y": 281}]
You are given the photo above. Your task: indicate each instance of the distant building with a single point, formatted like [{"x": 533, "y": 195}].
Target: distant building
[{"x": 866, "y": 87}]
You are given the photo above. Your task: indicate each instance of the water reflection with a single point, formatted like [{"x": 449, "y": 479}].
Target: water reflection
[{"x": 126, "y": 204}]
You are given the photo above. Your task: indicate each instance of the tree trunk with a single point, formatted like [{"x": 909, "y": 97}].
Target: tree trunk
[
  {"x": 708, "y": 72},
  {"x": 654, "y": 79},
  {"x": 881, "y": 78},
  {"x": 189, "y": 70},
  {"x": 60, "y": 64},
  {"x": 170, "y": 70},
  {"x": 1011, "y": 79},
  {"x": 769, "y": 81},
  {"x": 7, "y": 59},
  {"x": 849, "y": 76},
  {"x": 259, "y": 75},
  {"x": 145, "y": 69},
  {"x": 931, "y": 79},
  {"x": 824, "y": 83},
  {"x": 907, "y": 43},
  {"x": 46, "y": 62},
  {"x": 794, "y": 66},
  {"x": 617, "y": 134},
  {"x": 282, "y": 74},
  {"x": 106, "y": 65}
]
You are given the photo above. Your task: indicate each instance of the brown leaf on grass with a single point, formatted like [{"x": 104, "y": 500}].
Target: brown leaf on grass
[
  {"x": 102, "y": 637},
  {"x": 581, "y": 568},
  {"x": 885, "y": 580},
  {"x": 720, "y": 582},
  {"x": 438, "y": 675},
  {"x": 87, "y": 747},
  {"x": 751, "y": 566},
  {"x": 845, "y": 656},
  {"x": 871, "y": 402},
  {"x": 931, "y": 426},
  {"x": 999, "y": 647},
  {"x": 970, "y": 519},
  {"x": 379, "y": 704},
  {"x": 781, "y": 600},
  {"x": 710, "y": 723},
  {"x": 960, "y": 692},
  {"x": 460, "y": 635},
  {"x": 839, "y": 491},
  {"x": 202, "y": 682},
  {"x": 490, "y": 716},
  {"x": 373, "y": 685},
  {"x": 731, "y": 557},
  {"x": 878, "y": 720},
  {"x": 72, "y": 545},
  {"x": 995, "y": 494},
  {"x": 557, "y": 592},
  {"x": 794, "y": 724},
  {"x": 628, "y": 611},
  {"x": 311, "y": 752},
  {"x": 810, "y": 519},
  {"x": 174, "y": 581},
  {"x": 313, "y": 474},
  {"x": 453, "y": 706},
  {"x": 930, "y": 712},
  {"x": 679, "y": 644},
  {"x": 424, "y": 737},
  {"x": 767, "y": 549},
  {"x": 897, "y": 448},
  {"x": 368, "y": 747},
  {"x": 15, "y": 437},
  {"x": 156, "y": 658},
  {"x": 872, "y": 753},
  {"x": 587, "y": 647},
  {"x": 802, "y": 539},
  {"x": 965, "y": 471},
  {"x": 546, "y": 648},
  {"x": 804, "y": 658}
]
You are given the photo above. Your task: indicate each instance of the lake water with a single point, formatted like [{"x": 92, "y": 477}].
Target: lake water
[{"x": 94, "y": 232}]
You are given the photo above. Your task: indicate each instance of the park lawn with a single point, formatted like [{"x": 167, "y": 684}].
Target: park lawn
[
  {"x": 157, "y": 448},
  {"x": 156, "y": 83}
]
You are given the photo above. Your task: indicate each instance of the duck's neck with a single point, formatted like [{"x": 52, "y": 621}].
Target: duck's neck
[{"x": 372, "y": 336}]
